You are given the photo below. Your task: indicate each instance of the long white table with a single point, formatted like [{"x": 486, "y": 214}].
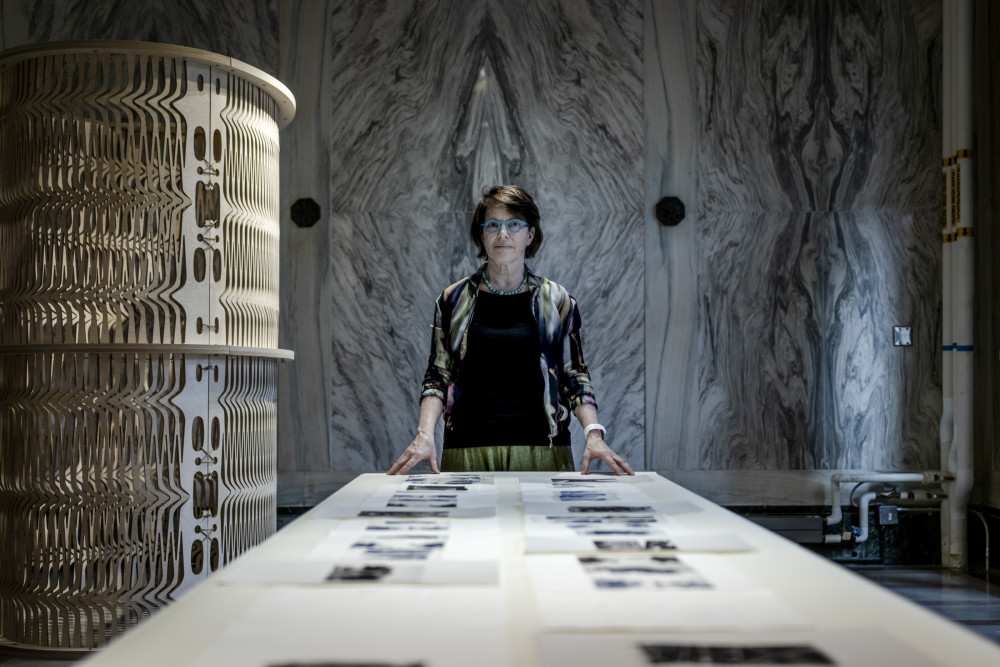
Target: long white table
[{"x": 265, "y": 609}]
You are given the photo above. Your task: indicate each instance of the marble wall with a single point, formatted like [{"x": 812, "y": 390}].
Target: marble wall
[
  {"x": 820, "y": 236},
  {"x": 752, "y": 339},
  {"x": 672, "y": 260},
  {"x": 243, "y": 29},
  {"x": 432, "y": 102},
  {"x": 818, "y": 141},
  {"x": 304, "y": 389}
]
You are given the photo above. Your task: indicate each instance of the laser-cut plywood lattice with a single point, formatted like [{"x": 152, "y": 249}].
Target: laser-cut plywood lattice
[{"x": 138, "y": 330}]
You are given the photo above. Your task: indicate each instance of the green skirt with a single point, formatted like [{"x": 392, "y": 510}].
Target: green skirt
[{"x": 518, "y": 457}]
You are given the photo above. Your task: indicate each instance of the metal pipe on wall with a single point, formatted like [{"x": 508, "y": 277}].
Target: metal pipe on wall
[
  {"x": 957, "y": 282},
  {"x": 925, "y": 477},
  {"x": 947, "y": 332}
]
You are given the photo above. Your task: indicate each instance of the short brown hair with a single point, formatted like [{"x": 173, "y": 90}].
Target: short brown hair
[{"x": 515, "y": 200}]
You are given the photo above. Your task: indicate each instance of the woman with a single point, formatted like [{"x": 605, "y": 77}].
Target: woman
[{"x": 506, "y": 364}]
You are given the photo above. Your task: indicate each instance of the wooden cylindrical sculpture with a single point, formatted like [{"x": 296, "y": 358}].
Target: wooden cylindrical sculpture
[{"x": 138, "y": 330}]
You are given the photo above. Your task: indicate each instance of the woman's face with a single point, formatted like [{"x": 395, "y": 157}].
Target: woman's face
[{"x": 503, "y": 246}]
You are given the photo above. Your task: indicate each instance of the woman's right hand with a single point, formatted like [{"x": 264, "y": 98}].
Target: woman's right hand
[{"x": 422, "y": 448}]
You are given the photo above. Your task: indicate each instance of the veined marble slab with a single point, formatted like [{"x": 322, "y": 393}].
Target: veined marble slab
[
  {"x": 818, "y": 177},
  {"x": 819, "y": 106},
  {"x": 245, "y": 30},
  {"x": 672, "y": 260},
  {"x": 797, "y": 364},
  {"x": 304, "y": 387},
  {"x": 435, "y": 101}
]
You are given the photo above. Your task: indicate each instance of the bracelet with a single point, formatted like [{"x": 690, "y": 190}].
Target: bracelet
[{"x": 594, "y": 427}]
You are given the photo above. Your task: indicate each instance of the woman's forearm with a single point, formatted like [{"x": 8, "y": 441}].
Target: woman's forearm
[
  {"x": 586, "y": 414},
  {"x": 431, "y": 408}
]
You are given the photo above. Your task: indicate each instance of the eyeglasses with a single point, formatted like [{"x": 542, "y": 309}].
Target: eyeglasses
[{"x": 512, "y": 226}]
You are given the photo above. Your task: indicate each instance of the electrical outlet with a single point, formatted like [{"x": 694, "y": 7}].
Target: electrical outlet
[
  {"x": 901, "y": 336},
  {"x": 888, "y": 515}
]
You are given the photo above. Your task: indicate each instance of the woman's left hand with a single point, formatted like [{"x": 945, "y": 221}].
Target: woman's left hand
[{"x": 598, "y": 449}]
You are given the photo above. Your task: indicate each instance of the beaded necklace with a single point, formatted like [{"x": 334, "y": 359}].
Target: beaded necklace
[{"x": 501, "y": 292}]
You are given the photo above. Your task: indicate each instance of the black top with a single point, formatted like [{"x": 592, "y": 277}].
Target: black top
[{"x": 502, "y": 377}]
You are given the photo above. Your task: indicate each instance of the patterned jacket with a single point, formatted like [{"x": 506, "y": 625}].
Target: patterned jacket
[{"x": 564, "y": 372}]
